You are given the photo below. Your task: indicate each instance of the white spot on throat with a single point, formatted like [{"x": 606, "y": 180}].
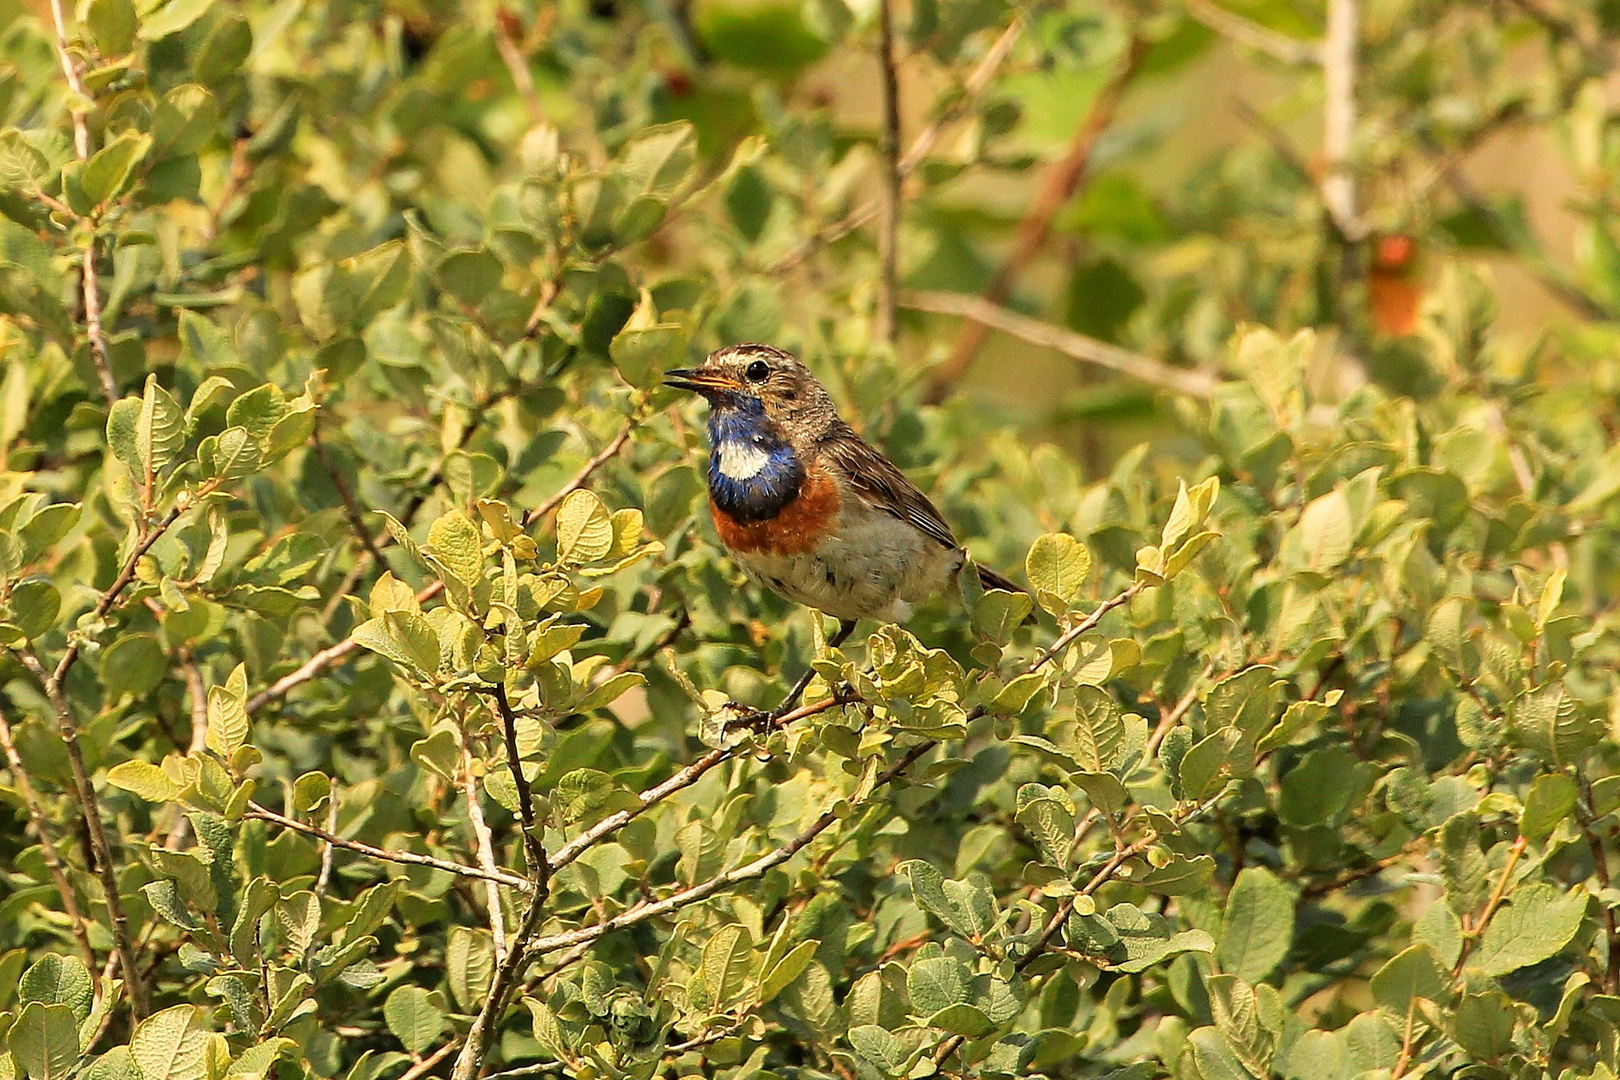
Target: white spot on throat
[{"x": 740, "y": 460}]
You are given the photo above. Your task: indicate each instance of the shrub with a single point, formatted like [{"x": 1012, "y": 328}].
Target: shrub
[{"x": 368, "y": 650}]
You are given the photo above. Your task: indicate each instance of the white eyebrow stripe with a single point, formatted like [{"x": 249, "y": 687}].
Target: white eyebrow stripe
[{"x": 740, "y": 460}]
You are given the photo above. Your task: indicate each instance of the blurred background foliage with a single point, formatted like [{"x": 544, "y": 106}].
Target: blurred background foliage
[{"x": 367, "y": 647}]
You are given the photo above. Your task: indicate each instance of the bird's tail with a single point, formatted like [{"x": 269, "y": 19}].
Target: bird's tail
[{"x": 992, "y": 580}]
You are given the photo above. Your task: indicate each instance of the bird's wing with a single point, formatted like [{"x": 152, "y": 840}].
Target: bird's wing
[{"x": 876, "y": 480}]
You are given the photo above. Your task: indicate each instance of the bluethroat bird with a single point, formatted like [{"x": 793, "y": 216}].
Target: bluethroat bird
[{"x": 806, "y": 506}]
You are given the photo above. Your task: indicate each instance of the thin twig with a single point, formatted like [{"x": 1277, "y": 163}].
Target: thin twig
[
  {"x": 321, "y": 661},
  {"x": 426, "y": 1065},
  {"x": 351, "y": 507},
  {"x": 973, "y": 88},
  {"x": 473, "y": 1051},
  {"x": 100, "y": 846},
  {"x": 888, "y": 326},
  {"x": 517, "y": 65},
  {"x": 539, "y": 867},
  {"x": 1057, "y": 186},
  {"x": 1497, "y": 896},
  {"x": 642, "y": 912},
  {"x": 993, "y": 316},
  {"x": 1173, "y": 717},
  {"x": 681, "y": 780},
  {"x": 78, "y": 95},
  {"x": 254, "y": 810},
  {"x": 1049, "y": 930},
  {"x": 1247, "y": 32},
  {"x": 484, "y": 844},
  {"x": 198, "y": 692},
  {"x": 580, "y": 478},
  {"x": 110, "y": 597},
  {"x": 329, "y": 849},
  {"x": 47, "y": 843}
]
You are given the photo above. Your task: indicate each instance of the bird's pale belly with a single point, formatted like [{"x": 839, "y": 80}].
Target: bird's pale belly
[{"x": 869, "y": 565}]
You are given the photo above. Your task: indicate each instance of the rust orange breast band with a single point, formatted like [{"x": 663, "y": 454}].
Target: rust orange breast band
[{"x": 798, "y": 526}]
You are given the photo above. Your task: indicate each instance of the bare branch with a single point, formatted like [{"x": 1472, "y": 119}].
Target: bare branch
[
  {"x": 539, "y": 866},
  {"x": 888, "y": 327},
  {"x": 101, "y": 848},
  {"x": 1058, "y": 185},
  {"x": 517, "y": 64},
  {"x": 703, "y": 890},
  {"x": 973, "y": 88},
  {"x": 321, "y": 661},
  {"x": 110, "y": 597},
  {"x": 1249, "y": 33},
  {"x": 78, "y": 96},
  {"x": 485, "y": 846},
  {"x": 329, "y": 849},
  {"x": 600, "y": 458},
  {"x": 254, "y": 810},
  {"x": 682, "y": 779},
  {"x": 351, "y": 507},
  {"x": 198, "y": 742},
  {"x": 473, "y": 1051},
  {"x": 993, "y": 316},
  {"x": 47, "y": 842}
]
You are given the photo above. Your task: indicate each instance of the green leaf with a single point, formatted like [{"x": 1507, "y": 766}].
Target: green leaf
[
  {"x": 44, "y": 1041},
  {"x": 134, "y": 664},
  {"x": 171, "y": 18},
  {"x": 1327, "y": 531},
  {"x": 231, "y": 455},
  {"x": 658, "y": 159},
  {"x": 469, "y": 966},
  {"x": 1536, "y": 923},
  {"x": 144, "y": 779},
  {"x": 457, "y": 543},
  {"x": 112, "y": 24},
  {"x": 879, "y": 1047},
  {"x": 643, "y": 354},
  {"x": 256, "y": 1062},
  {"x": 1057, "y": 565},
  {"x": 966, "y": 907},
  {"x": 724, "y": 964},
  {"x": 228, "y": 725},
  {"x": 581, "y": 792},
  {"x": 1050, "y": 823},
  {"x": 1409, "y": 975},
  {"x": 1483, "y": 1025},
  {"x": 470, "y": 275},
  {"x": 35, "y": 607},
  {"x": 405, "y": 637},
  {"x": 584, "y": 528},
  {"x": 106, "y": 173},
  {"x": 1259, "y": 925},
  {"x": 171, "y": 1045},
  {"x": 786, "y": 970},
  {"x": 936, "y": 984},
  {"x": 311, "y": 790},
  {"x": 413, "y": 1017},
  {"x": 1552, "y": 798},
  {"x": 59, "y": 980},
  {"x": 999, "y": 613}
]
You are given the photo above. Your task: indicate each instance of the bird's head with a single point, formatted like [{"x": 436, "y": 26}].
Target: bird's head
[{"x": 761, "y": 383}]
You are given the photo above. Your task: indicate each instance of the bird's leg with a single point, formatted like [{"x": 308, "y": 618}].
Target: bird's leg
[{"x": 759, "y": 719}]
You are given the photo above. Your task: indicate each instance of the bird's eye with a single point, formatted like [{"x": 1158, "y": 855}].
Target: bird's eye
[{"x": 758, "y": 371}]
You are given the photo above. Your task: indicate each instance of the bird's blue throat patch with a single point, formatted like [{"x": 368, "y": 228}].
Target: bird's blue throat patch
[{"x": 753, "y": 471}]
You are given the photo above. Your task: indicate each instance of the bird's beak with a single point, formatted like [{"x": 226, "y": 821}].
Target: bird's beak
[{"x": 701, "y": 380}]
